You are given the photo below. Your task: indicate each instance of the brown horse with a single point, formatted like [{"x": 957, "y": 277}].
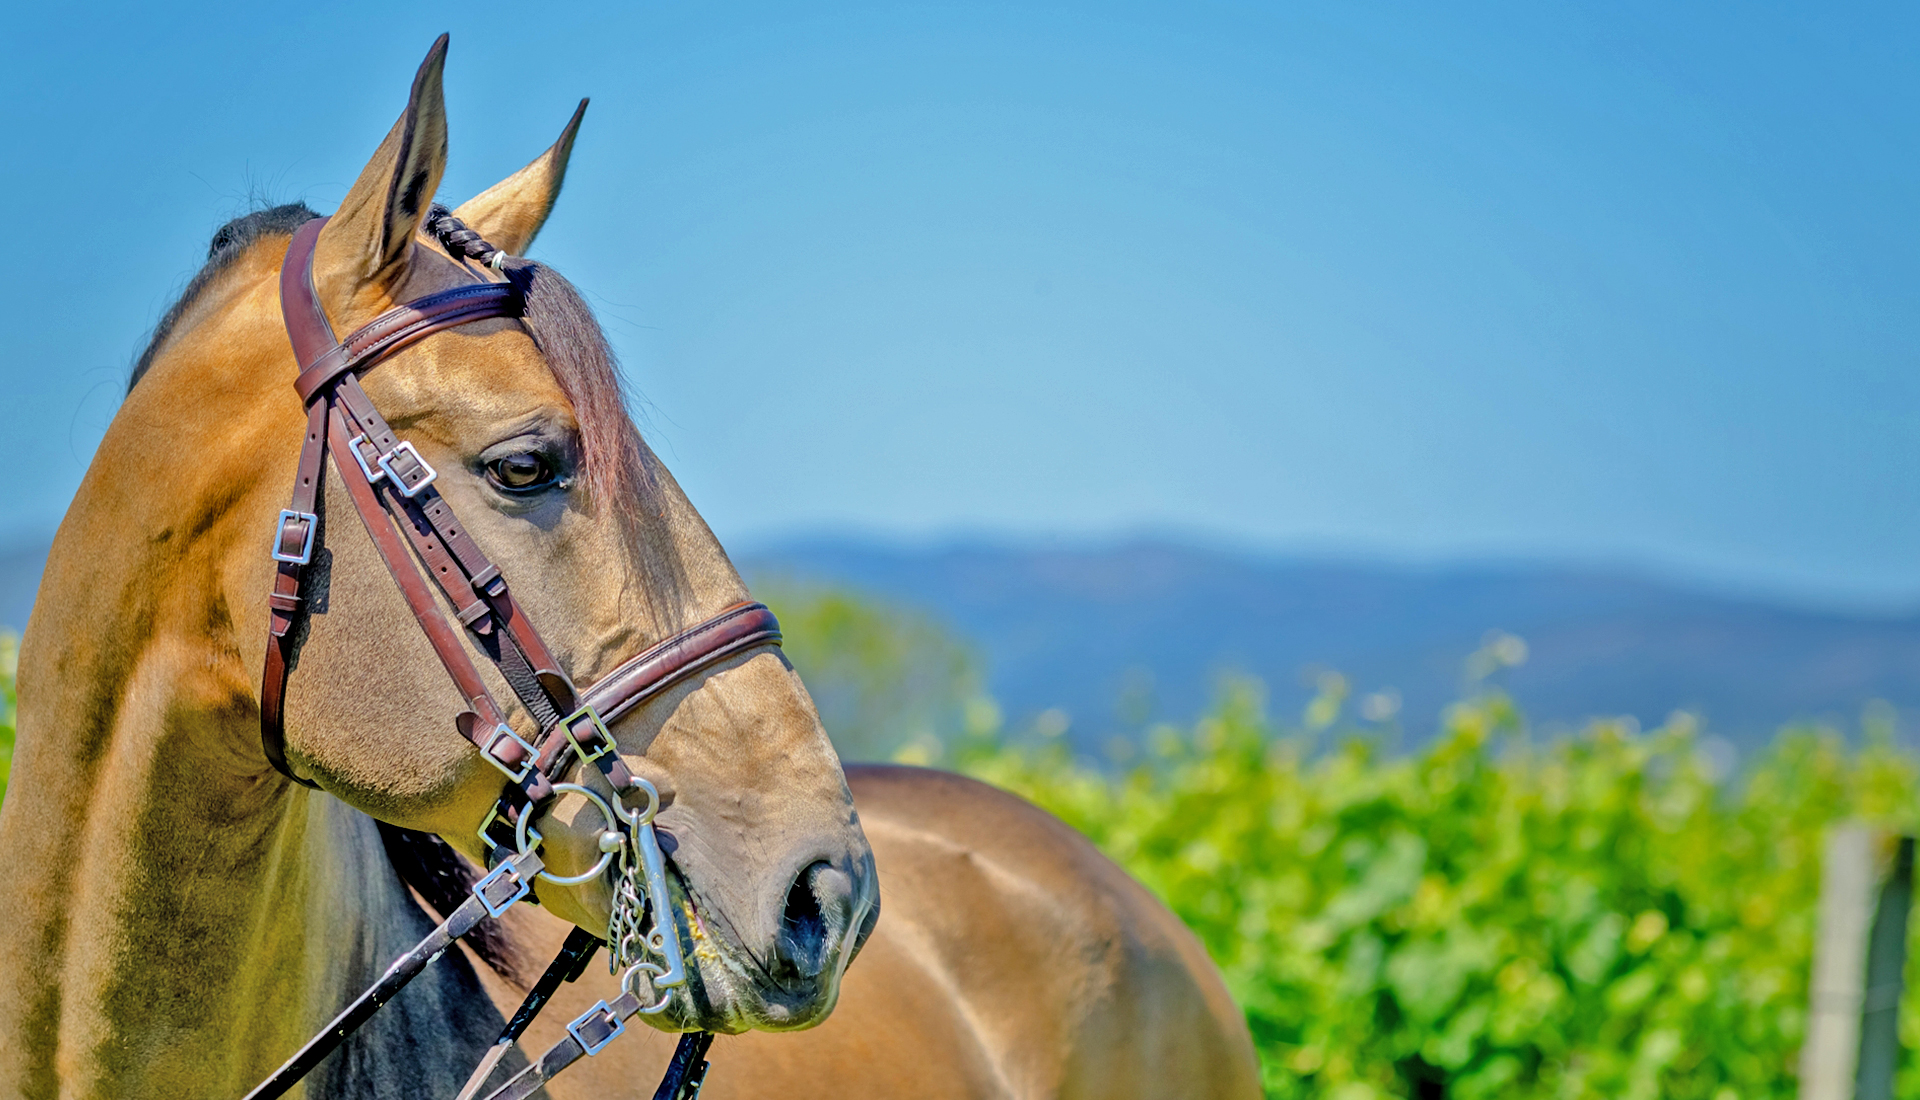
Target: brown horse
[{"x": 181, "y": 916}]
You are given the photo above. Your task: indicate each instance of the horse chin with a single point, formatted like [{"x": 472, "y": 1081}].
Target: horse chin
[
  {"x": 720, "y": 1005},
  {"x": 732, "y": 1002}
]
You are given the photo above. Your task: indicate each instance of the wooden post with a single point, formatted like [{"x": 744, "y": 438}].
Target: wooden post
[
  {"x": 1886, "y": 980},
  {"x": 1866, "y": 894}
]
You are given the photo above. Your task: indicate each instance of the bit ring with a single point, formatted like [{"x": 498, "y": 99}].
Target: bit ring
[
  {"x": 521, "y": 839},
  {"x": 637, "y": 818},
  {"x": 626, "y": 986}
]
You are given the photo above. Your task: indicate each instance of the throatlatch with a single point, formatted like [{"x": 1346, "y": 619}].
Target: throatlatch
[{"x": 414, "y": 528}]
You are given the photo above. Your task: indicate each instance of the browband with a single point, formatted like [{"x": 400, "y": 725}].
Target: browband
[{"x": 404, "y": 325}]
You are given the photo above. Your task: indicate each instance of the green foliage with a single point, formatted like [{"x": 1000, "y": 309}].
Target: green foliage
[
  {"x": 1601, "y": 916},
  {"x": 888, "y": 681}
]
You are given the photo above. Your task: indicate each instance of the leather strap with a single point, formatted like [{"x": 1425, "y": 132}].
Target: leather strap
[
  {"x": 307, "y": 326},
  {"x": 685, "y": 1072},
  {"x": 402, "y": 326},
  {"x": 735, "y": 630},
  {"x": 567, "y": 966},
  {"x": 299, "y": 529}
]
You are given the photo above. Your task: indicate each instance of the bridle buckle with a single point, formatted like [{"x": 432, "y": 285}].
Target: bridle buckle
[
  {"x": 408, "y": 480},
  {"x": 604, "y": 737},
  {"x": 597, "y": 1027},
  {"x": 500, "y": 888},
  {"x": 374, "y": 472},
  {"x": 485, "y": 832},
  {"x": 529, "y": 755},
  {"x": 303, "y": 555}
]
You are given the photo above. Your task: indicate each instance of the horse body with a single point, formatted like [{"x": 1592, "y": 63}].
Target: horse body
[{"x": 182, "y": 916}]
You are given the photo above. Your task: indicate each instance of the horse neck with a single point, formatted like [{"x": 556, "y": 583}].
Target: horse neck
[
  {"x": 182, "y": 940},
  {"x": 181, "y": 918},
  {"x": 179, "y": 929}
]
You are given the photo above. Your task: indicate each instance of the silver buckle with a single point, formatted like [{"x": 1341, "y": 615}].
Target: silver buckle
[
  {"x": 506, "y": 731},
  {"x": 400, "y": 485},
  {"x": 360, "y": 458},
  {"x": 606, "y": 736},
  {"x": 521, "y": 889},
  {"x": 305, "y": 554},
  {"x": 603, "y": 1012},
  {"x": 485, "y": 832}
]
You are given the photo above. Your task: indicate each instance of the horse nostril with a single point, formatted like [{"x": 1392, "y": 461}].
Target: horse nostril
[{"x": 818, "y": 905}]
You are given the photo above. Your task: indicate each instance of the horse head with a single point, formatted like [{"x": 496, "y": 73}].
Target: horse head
[{"x": 771, "y": 878}]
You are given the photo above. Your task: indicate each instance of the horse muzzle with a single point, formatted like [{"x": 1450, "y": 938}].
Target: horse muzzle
[
  {"x": 763, "y": 952},
  {"x": 787, "y": 978}
]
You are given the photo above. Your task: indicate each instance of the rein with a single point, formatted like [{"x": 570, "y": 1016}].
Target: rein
[{"x": 414, "y": 528}]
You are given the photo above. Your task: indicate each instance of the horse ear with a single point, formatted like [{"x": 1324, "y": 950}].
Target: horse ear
[
  {"x": 510, "y": 213},
  {"x": 368, "y": 238}
]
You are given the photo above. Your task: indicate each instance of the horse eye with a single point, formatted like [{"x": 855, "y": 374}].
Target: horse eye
[{"x": 520, "y": 473}]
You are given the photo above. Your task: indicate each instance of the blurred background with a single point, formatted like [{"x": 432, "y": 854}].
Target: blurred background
[{"x": 1432, "y": 489}]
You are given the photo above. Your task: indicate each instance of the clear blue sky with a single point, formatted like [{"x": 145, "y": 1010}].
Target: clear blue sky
[{"x": 1623, "y": 282}]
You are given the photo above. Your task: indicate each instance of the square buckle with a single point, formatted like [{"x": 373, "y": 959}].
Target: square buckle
[
  {"x": 305, "y": 553},
  {"x": 400, "y": 483},
  {"x": 490, "y": 885},
  {"x": 504, "y": 731},
  {"x": 374, "y": 473},
  {"x": 485, "y": 831},
  {"x": 596, "y": 1028},
  {"x": 606, "y": 736}
]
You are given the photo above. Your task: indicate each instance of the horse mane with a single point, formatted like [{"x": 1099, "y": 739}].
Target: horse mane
[
  {"x": 613, "y": 462},
  {"x": 443, "y": 878},
  {"x": 230, "y": 242}
]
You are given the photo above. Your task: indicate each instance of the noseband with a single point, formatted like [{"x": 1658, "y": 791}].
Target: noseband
[{"x": 414, "y": 529}]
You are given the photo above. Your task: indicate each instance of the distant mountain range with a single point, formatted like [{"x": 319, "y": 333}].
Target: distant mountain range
[
  {"x": 1118, "y": 635},
  {"x": 1121, "y": 635}
]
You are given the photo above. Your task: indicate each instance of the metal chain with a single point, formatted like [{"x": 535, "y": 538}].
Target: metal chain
[
  {"x": 626, "y": 939},
  {"x": 640, "y": 890}
]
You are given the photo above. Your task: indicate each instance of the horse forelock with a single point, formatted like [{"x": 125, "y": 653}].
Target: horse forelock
[{"x": 569, "y": 336}]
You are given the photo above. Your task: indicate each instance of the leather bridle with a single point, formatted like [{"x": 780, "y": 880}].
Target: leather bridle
[{"x": 414, "y": 528}]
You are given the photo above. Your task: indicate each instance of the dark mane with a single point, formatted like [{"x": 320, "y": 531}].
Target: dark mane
[
  {"x": 443, "y": 878},
  {"x": 229, "y": 242}
]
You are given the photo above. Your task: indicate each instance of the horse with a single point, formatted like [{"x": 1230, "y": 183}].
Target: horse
[{"x": 183, "y": 913}]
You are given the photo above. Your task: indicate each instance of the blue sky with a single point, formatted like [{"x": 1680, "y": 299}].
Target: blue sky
[{"x": 1628, "y": 283}]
